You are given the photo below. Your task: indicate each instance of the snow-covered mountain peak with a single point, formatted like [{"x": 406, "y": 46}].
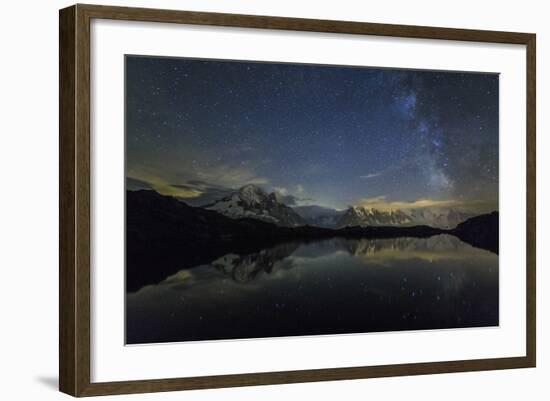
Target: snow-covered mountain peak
[
  {"x": 252, "y": 193},
  {"x": 252, "y": 201}
]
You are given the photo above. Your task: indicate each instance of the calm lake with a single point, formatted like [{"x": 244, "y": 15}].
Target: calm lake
[{"x": 329, "y": 286}]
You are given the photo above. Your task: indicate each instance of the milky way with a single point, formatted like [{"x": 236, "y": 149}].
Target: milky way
[{"x": 327, "y": 135}]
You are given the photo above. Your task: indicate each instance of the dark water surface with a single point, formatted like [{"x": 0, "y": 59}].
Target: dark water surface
[{"x": 329, "y": 286}]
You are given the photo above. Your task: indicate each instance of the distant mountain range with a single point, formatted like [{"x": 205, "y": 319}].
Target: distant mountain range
[
  {"x": 252, "y": 201},
  {"x": 433, "y": 217}
]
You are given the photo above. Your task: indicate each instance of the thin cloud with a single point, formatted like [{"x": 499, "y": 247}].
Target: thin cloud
[
  {"x": 371, "y": 175},
  {"x": 289, "y": 199},
  {"x": 381, "y": 203},
  {"x": 133, "y": 184},
  {"x": 191, "y": 166},
  {"x": 280, "y": 190}
]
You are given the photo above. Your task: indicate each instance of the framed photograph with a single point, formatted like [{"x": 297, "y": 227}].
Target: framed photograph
[{"x": 251, "y": 200}]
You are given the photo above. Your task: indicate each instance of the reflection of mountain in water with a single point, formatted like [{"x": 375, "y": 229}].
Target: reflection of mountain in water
[
  {"x": 438, "y": 243},
  {"x": 244, "y": 268},
  {"x": 323, "y": 286}
]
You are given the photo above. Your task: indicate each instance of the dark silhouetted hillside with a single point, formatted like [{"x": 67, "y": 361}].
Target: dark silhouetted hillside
[{"x": 480, "y": 231}]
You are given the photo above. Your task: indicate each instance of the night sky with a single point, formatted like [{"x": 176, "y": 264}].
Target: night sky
[{"x": 325, "y": 135}]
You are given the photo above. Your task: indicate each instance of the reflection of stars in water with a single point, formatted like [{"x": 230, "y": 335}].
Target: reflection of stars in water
[{"x": 456, "y": 289}]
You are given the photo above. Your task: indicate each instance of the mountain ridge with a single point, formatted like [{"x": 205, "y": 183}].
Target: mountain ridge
[
  {"x": 253, "y": 202},
  {"x": 446, "y": 218}
]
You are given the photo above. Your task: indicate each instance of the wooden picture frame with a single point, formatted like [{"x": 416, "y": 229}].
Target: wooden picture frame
[{"x": 74, "y": 204}]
